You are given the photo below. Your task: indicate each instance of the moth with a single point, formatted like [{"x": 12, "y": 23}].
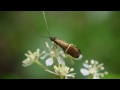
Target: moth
[{"x": 67, "y": 48}]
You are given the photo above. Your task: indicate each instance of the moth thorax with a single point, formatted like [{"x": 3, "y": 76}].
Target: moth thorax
[{"x": 53, "y": 38}]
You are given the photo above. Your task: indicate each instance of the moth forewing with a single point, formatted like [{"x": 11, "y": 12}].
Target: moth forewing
[
  {"x": 67, "y": 48},
  {"x": 73, "y": 51}
]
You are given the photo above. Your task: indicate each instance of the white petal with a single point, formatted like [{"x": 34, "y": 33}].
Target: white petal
[
  {"x": 106, "y": 73},
  {"x": 86, "y": 61},
  {"x": 85, "y": 72},
  {"x": 43, "y": 52},
  {"x": 72, "y": 69},
  {"x": 102, "y": 75},
  {"x": 85, "y": 65},
  {"x": 92, "y": 61},
  {"x": 38, "y": 50},
  {"x": 49, "y": 61},
  {"x": 29, "y": 52},
  {"x": 96, "y": 62},
  {"x": 60, "y": 60},
  {"x": 55, "y": 67},
  {"x": 80, "y": 57},
  {"x": 26, "y": 65},
  {"x": 95, "y": 76},
  {"x": 43, "y": 57},
  {"x": 47, "y": 45},
  {"x": 26, "y": 55},
  {"x": 102, "y": 68},
  {"x": 62, "y": 53}
]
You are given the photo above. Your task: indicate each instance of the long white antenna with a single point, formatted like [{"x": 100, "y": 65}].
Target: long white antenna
[
  {"x": 45, "y": 19},
  {"x": 46, "y": 22}
]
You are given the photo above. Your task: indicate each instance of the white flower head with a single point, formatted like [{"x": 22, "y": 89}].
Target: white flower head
[
  {"x": 93, "y": 69},
  {"x": 63, "y": 71},
  {"x": 54, "y": 54},
  {"x": 31, "y": 57}
]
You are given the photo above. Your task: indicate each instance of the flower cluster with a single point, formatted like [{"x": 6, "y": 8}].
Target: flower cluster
[
  {"x": 91, "y": 70},
  {"x": 53, "y": 54},
  {"x": 63, "y": 71},
  {"x": 32, "y": 57}
]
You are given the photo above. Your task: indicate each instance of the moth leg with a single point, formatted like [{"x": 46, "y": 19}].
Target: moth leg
[{"x": 55, "y": 46}]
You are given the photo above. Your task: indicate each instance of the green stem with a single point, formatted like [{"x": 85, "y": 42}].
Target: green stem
[
  {"x": 41, "y": 65},
  {"x": 61, "y": 77},
  {"x": 90, "y": 76}
]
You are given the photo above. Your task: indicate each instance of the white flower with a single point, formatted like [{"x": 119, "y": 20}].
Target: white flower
[
  {"x": 53, "y": 53},
  {"x": 31, "y": 57},
  {"x": 63, "y": 71},
  {"x": 93, "y": 69}
]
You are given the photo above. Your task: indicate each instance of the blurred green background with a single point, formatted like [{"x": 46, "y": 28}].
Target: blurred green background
[{"x": 96, "y": 33}]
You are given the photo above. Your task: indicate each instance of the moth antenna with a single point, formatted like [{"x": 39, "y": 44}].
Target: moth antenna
[
  {"x": 38, "y": 34},
  {"x": 44, "y": 36},
  {"x": 46, "y": 23}
]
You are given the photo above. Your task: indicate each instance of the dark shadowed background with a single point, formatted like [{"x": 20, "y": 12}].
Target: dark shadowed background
[{"x": 96, "y": 33}]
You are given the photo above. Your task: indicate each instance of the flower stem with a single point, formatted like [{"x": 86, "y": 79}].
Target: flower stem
[
  {"x": 90, "y": 76},
  {"x": 61, "y": 77},
  {"x": 41, "y": 65}
]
